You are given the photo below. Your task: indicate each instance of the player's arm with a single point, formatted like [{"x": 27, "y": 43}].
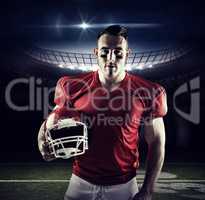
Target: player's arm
[
  {"x": 42, "y": 140},
  {"x": 43, "y": 145},
  {"x": 59, "y": 100},
  {"x": 155, "y": 138}
]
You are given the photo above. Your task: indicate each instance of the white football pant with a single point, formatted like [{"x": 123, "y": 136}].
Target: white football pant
[{"x": 79, "y": 189}]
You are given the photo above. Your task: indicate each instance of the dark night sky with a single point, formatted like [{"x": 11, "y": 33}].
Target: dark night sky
[{"x": 181, "y": 21}]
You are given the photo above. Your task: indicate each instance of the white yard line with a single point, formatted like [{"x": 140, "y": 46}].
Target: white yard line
[
  {"x": 63, "y": 163},
  {"x": 64, "y": 181}
]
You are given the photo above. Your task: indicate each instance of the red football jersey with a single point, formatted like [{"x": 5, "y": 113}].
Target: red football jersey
[{"x": 113, "y": 119}]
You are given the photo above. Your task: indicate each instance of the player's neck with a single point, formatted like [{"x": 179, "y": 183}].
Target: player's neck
[{"x": 111, "y": 84}]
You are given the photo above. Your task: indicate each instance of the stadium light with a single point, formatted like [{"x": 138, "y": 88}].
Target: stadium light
[
  {"x": 84, "y": 25},
  {"x": 140, "y": 66},
  {"x": 61, "y": 65}
]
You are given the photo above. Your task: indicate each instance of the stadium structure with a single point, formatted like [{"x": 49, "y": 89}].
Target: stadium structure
[
  {"x": 23, "y": 172},
  {"x": 88, "y": 61}
]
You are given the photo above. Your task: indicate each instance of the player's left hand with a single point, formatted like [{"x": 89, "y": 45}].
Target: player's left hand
[{"x": 142, "y": 195}]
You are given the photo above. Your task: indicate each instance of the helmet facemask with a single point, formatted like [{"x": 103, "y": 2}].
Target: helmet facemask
[{"x": 67, "y": 138}]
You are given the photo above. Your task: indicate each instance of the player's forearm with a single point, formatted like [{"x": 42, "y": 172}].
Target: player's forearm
[
  {"x": 41, "y": 137},
  {"x": 155, "y": 160}
]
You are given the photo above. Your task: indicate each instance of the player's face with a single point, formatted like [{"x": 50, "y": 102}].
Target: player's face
[{"x": 112, "y": 54}]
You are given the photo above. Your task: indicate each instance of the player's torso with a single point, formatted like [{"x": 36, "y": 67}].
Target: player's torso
[
  {"x": 118, "y": 107},
  {"x": 113, "y": 119}
]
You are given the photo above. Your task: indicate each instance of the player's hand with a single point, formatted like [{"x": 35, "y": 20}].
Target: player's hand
[
  {"x": 46, "y": 152},
  {"x": 43, "y": 145},
  {"x": 142, "y": 195}
]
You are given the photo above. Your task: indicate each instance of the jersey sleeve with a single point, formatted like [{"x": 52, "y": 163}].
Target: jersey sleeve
[
  {"x": 62, "y": 97},
  {"x": 159, "y": 103}
]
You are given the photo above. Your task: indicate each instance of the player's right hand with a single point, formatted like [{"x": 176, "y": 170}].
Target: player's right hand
[
  {"x": 46, "y": 152},
  {"x": 43, "y": 145}
]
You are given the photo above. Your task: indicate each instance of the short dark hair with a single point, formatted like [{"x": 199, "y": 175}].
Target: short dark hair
[{"x": 115, "y": 30}]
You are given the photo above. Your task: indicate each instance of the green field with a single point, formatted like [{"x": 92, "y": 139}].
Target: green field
[{"x": 40, "y": 181}]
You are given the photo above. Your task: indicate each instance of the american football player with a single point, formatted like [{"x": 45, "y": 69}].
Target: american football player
[{"x": 113, "y": 104}]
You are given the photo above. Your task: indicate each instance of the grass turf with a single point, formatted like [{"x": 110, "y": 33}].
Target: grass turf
[{"x": 62, "y": 171}]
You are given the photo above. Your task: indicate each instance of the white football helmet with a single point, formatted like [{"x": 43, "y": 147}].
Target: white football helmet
[{"x": 67, "y": 138}]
